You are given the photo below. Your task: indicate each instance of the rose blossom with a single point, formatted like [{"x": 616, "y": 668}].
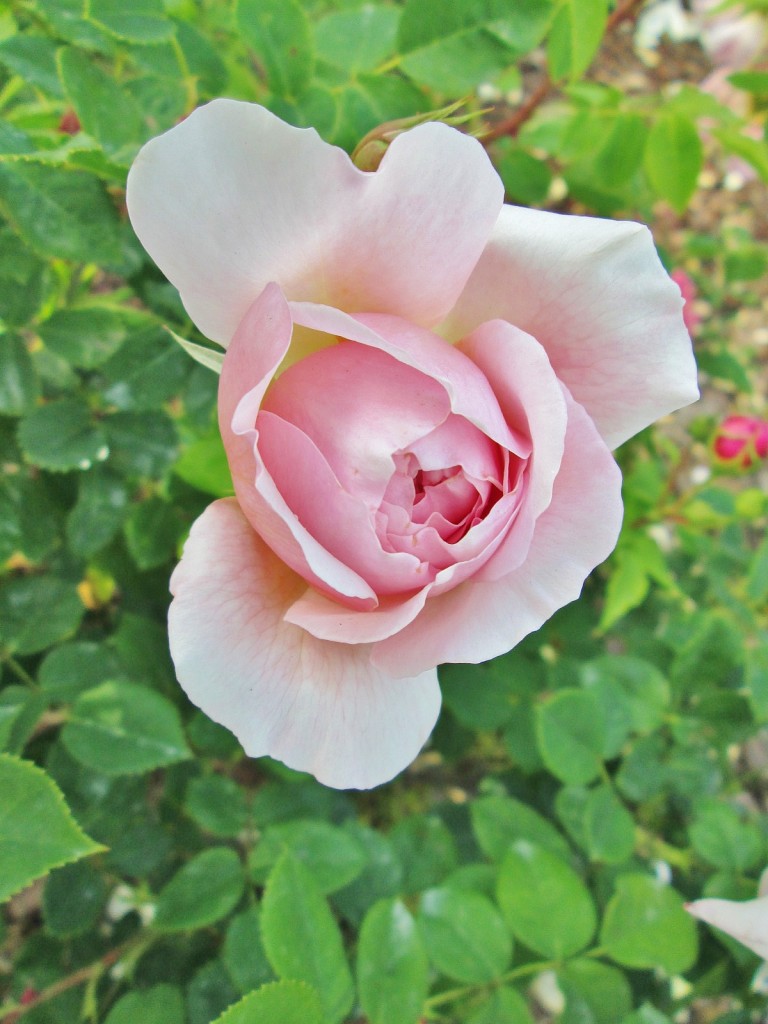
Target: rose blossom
[
  {"x": 419, "y": 394},
  {"x": 741, "y": 441}
]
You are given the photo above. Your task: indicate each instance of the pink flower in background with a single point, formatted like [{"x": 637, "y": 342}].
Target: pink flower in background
[
  {"x": 418, "y": 400},
  {"x": 741, "y": 441},
  {"x": 688, "y": 291}
]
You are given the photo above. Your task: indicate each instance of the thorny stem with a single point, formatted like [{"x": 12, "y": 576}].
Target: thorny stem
[
  {"x": 510, "y": 126},
  {"x": 14, "y": 1013}
]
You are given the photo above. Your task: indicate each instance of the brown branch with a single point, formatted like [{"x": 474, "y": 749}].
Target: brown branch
[
  {"x": 510, "y": 126},
  {"x": 79, "y": 977}
]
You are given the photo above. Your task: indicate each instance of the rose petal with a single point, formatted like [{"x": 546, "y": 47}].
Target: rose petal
[
  {"x": 481, "y": 620},
  {"x": 746, "y": 921},
  {"x": 257, "y": 348},
  {"x": 233, "y": 198},
  {"x": 469, "y": 391},
  {"x": 359, "y": 406},
  {"x": 328, "y": 620},
  {"x": 317, "y": 706},
  {"x": 338, "y": 521},
  {"x": 595, "y": 295}
]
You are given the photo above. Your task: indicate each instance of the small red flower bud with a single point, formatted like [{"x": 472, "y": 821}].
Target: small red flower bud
[
  {"x": 740, "y": 441},
  {"x": 691, "y": 319},
  {"x": 69, "y": 123},
  {"x": 29, "y": 995}
]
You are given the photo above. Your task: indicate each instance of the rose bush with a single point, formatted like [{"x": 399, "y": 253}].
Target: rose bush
[{"x": 418, "y": 400}]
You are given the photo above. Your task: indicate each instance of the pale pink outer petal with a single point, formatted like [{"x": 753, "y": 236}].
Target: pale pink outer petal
[
  {"x": 481, "y": 620},
  {"x": 746, "y": 921},
  {"x": 595, "y": 295},
  {"x": 257, "y": 349},
  {"x": 317, "y": 706},
  {"x": 233, "y": 198}
]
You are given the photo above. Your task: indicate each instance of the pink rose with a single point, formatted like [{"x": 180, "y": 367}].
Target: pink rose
[
  {"x": 419, "y": 394},
  {"x": 741, "y": 441},
  {"x": 691, "y": 318}
]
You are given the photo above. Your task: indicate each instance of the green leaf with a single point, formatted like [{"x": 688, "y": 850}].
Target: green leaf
[
  {"x": 73, "y": 899},
  {"x": 645, "y": 926},
  {"x": 71, "y": 668},
  {"x": 452, "y": 47},
  {"x": 499, "y": 821},
  {"x": 622, "y": 154},
  {"x": 217, "y": 804},
  {"x": 501, "y": 1006},
  {"x": 209, "y": 993},
  {"x": 357, "y": 39},
  {"x": 720, "y": 835},
  {"x": 85, "y": 337},
  {"x": 141, "y": 444},
  {"x": 575, "y": 35},
  {"x": 151, "y": 532},
  {"x": 756, "y": 681},
  {"x": 61, "y": 214},
  {"x": 145, "y": 373},
  {"x": 105, "y": 110},
  {"x": 141, "y": 21},
  {"x": 480, "y": 696},
  {"x": 544, "y": 902},
  {"x": 301, "y": 938},
  {"x": 282, "y": 1002},
  {"x": 609, "y": 827},
  {"x": 673, "y": 159},
  {"x": 281, "y": 34},
  {"x": 204, "y": 465},
  {"x": 243, "y": 954},
  {"x": 101, "y": 507},
  {"x": 426, "y": 850},
  {"x": 37, "y": 831},
  {"x": 571, "y": 735},
  {"x": 121, "y": 729},
  {"x": 22, "y": 280},
  {"x": 19, "y": 388},
  {"x": 464, "y": 935},
  {"x": 381, "y": 877},
  {"x": 454, "y": 64},
  {"x": 635, "y": 684},
  {"x": 526, "y": 178},
  {"x": 62, "y": 436},
  {"x": 595, "y": 993},
  {"x": 207, "y": 888},
  {"x": 36, "y": 611},
  {"x": 392, "y": 968},
  {"x": 161, "y": 1004},
  {"x": 754, "y": 151},
  {"x": 33, "y": 57},
  {"x": 628, "y": 585},
  {"x": 333, "y": 857}
]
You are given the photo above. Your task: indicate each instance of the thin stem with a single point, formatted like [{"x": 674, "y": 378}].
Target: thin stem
[
  {"x": 14, "y": 1013},
  {"x": 21, "y": 673},
  {"x": 510, "y": 126}
]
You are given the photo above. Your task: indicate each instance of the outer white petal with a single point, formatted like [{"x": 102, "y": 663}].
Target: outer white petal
[
  {"x": 595, "y": 295},
  {"x": 746, "y": 921},
  {"x": 318, "y": 706},
  {"x": 233, "y": 198}
]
